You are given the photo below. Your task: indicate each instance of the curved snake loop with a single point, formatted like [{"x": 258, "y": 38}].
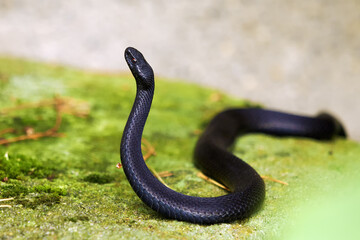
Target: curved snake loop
[{"x": 211, "y": 154}]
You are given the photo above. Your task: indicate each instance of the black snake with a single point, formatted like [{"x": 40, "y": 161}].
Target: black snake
[{"x": 211, "y": 154}]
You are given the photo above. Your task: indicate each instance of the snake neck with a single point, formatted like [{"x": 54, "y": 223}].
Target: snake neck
[
  {"x": 130, "y": 149},
  {"x": 135, "y": 125}
]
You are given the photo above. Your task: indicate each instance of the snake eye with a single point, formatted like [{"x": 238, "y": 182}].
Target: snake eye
[{"x": 133, "y": 60}]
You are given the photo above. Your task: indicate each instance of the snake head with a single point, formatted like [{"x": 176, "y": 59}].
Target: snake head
[{"x": 140, "y": 68}]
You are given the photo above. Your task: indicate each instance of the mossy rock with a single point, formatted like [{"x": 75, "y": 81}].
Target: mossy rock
[{"x": 68, "y": 186}]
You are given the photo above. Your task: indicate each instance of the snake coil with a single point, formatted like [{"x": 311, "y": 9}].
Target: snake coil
[{"x": 211, "y": 154}]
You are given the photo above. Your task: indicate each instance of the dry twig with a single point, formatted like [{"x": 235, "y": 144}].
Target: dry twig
[
  {"x": 147, "y": 148},
  {"x": 165, "y": 174},
  {"x": 61, "y": 106},
  {"x": 7, "y": 130},
  {"x": 157, "y": 175},
  {"x": 274, "y": 180},
  {"x": 206, "y": 178},
  {"x": 6, "y": 199},
  {"x": 150, "y": 150}
]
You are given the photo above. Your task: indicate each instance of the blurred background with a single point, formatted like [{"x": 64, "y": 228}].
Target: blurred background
[{"x": 295, "y": 56}]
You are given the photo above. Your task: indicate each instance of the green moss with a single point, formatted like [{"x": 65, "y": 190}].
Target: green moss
[
  {"x": 13, "y": 189},
  {"x": 52, "y": 179},
  {"x": 49, "y": 189},
  {"x": 100, "y": 178},
  {"x": 17, "y": 166},
  {"x": 39, "y": 201},
  {"x": 77, "y": 218}
]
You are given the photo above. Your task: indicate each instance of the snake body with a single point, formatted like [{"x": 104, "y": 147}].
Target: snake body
[{"x": 211, "y": 154}]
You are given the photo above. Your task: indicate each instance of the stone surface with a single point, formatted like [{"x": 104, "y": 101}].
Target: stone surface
[
  {"x": 69, "y": 188},
  {"x": 300, "y": 56}
]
